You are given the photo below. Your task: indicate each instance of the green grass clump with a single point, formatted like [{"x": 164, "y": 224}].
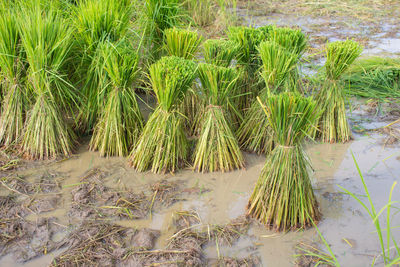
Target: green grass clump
[
  {"x": 121, "y": 121},
  {"x": 181, "y": 43},
  {"x": 254, "y": 134},
  {"x": 12, "y": 65},
  {"x": 374, "y": 77},
  {"x": 333, "y": 124},
  {"x": 219, "y": 52},
  {"x": 217, "y": 148},
  {"x": 203, "y": 12},
  {"x": 163, "y": 146},
  {"x": 96, "y": 22},
  {"x": 283, "y": 198},
  {"x": 47, "y": 42}
]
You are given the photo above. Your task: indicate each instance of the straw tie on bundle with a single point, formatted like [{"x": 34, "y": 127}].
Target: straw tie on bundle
[
  {"x": 333, "y": 124},
  {"x": 283, "y": 198},
  {"x": 217, "y": 148},
  {"x": 254, "y": 133},
  {"x": 163, "y": 145}
]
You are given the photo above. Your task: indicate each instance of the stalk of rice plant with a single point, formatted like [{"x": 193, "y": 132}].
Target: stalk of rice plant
[
  {"x": 219, "y": 52},
  {"x": 217, "y": 148},
  {"x": 283, "y": 198},
  {"x": 96, "y": 22},
  {"x": 47, "y": 42},
  {"x": 121, "y": 121},
  {"x": 248, "y": 39},
  {"x": 181, "y": 43},
  {"x": 12, "y": 73},
  {"x": 163, "y": 145},
  {"x": 254, "y": 134},
  {"x": 333, "y": 124}
]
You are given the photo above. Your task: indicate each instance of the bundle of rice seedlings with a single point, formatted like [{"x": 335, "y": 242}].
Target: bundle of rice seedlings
[
  {"x": 283, "y": 198},
  {"x": 248, "y": 39},
  {"x": 217, "y": 147},
  {"x": 374, "y": 77},
  {"x": 163, "y": 145},
  {"x": 121, "y": 121},
  {"x": 333, "y": 124},
  {"x": 254, "y": 134},
  {"x": 12, "y": 73},
  {"x": 182, "y": 43},
  {"x": 219, "y": 52},
  {"x": 47, "y": 42},
  {"x": 96, "y": 22}
]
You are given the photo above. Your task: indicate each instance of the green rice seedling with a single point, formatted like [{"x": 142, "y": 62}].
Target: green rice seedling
[
  {"x": 12, "y": 73},
  {"x": 96, "y": 22},
  {"x": 163, "y": 145},
  {"x": 121, "y": 121},
  {"x": 333, "y": 124},
  {"x": 374, "y": 77},
  {"x": 248, "y": 40},
  {"x": 283, "y": 198},
  {"x": 217, "y": 148},
  {"x": 254, "y": 134},
  {"x": 47, "y": 41},
  {"x": 181, "y": 43},
  {"x": 219, "y": 52}
]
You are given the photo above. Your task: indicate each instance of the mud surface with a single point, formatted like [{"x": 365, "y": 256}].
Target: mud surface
[{"x": 97, "y": 211}]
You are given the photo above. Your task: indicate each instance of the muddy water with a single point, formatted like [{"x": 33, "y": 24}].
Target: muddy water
[{"x": 343, "y": 218}]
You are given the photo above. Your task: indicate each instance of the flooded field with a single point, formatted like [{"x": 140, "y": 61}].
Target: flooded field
[{"x": 200, "y": 218}]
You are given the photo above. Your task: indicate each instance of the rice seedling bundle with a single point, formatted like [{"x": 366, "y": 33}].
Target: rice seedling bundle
[
  {"x": 219, "y": 52},
  {"x": 12, "y": 73},
  {"x": 248, "y": 39},
  {"x": 254, "y": 134},
  {"x": 333, "y": 124},
  {"x": 292, "y": 39},
  {"x": 121, "y": 121},
  {"x": 47, "y": 42},
  {"x": 96, "y": 22},
  {"x": 182, "y": 43},
  {"x": 283, "y": 198},
  {"x": 163, "y": 145},
  {"x": 217, "y": 148},
  {"x": 374, "y": 77}
]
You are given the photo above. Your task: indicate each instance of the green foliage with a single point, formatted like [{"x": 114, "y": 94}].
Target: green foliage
[
  {"x": 333, "y": 124},
  {"x": 181, "y": 43},
  {"x": 283, "y": 198},
  {"x": 12, "y": 74},
  {"x": 163, "y": 145},
  {"x": 47, "y": 42},
  {"x": 170, "y": 78},
  {"x": 339, "y": 56},
  {"x": 121, "y": 122},
  {"x": 219, "y": 52},
  {"x": 96, "y": 22},
  {"x": 254, "y": 134},
  {"x": 293, "y": 40},
  {"x": 277, "y": 63},
  {"x": 203, "y": 12},
  {"x": 374, "y": 77},
  {"x": 217, "y": 147}
]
